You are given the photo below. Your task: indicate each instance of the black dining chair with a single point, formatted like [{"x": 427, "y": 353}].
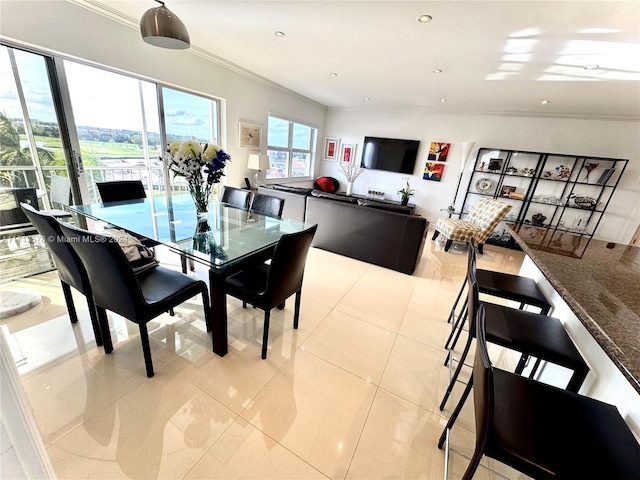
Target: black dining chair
[
  {"x": 267, "y": 205},
  {"x": 138, "y": 298},
  {"x": 543, "y": 431},
  {"x": 236, "y": 197},
  {"x": 71, "y": 271},
  {"x": 121, "y": 190},
  {"x": 531, "y": 334},
  {"x": 267, "y": 286},
  {"x": 126, "y": 191}
]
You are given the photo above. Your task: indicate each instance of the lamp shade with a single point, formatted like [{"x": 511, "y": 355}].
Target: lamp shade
[
  {"x": 466, "y": 150},
  {"x": 258, "y": 162},
  {"x": 162, "y": 28}
]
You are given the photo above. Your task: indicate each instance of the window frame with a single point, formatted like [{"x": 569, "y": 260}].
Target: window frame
[{"x": 290, "y": 150}]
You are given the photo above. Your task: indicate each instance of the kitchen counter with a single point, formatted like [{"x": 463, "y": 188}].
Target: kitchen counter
[{"x": 603, "y": 290}]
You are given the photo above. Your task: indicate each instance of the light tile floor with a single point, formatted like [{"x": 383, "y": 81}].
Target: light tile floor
[{"x": 352, "y": 394}]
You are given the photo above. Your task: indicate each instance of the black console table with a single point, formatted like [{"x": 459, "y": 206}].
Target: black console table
[{"x": 412, "y": 206}]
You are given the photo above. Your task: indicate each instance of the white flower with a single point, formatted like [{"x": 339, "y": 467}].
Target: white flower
[
  {"x": 173, "y": 148},
  {"x": 190, "y": 149},
  {"x": 210, "y": 152}
]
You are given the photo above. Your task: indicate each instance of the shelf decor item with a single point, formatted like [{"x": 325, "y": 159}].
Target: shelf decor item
[
  {"x": 485, "y": 185},
  {"x": 505, "y": 190},
  {"x": 351, "y": 171},
  {"x": 495, "y": 164},
  {"x": 202, "y": 166},
  {"x": 589, "y": 167}
]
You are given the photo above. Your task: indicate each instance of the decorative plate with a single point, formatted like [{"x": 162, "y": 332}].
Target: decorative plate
[{"x": 485, "y": 185}]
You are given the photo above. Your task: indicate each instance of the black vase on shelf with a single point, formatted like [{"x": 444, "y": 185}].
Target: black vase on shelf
[{"x": 404, "y": 201}]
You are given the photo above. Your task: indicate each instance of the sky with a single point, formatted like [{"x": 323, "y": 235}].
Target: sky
[{"x": 100, "y": 98}]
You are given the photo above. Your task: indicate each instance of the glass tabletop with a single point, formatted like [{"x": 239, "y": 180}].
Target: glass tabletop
[{"x": 224, "y": 237}]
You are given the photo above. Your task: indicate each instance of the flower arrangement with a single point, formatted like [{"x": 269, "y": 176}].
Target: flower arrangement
[
  {"x": 201, "y": 165},
  {"x": 406, "y": 192},
  {"x": 351, "y": 171}
]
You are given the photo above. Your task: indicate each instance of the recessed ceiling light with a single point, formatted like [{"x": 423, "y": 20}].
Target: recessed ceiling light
[
  {"x": 333, "y": 74},
  {"x": 437, "y": 70},
  {"x": 366, "y": 99},
  {"x": 425, "y": 18},
  {"x": 278, "y": 33},
  {"x": 443, "y": 100},
  {"x": 546, "y": 102},
  {"x": 591, "y": 67}
]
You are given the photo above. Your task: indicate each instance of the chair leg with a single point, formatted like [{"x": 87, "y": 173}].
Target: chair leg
[
  {"x": 452, "y": 383},
  {"x": 192, "y": 265},
  {"x": 435, "y": 234},
  {"x": 459, "y": 326},
  {"x": 296, "y": 314},
  {"x": 244, "y": 304},
  {"x": 265, "y": 334},
  {"x": 456, "y": 412},
  {"x": 454, "y": 327},
  {"x": 104, "y": 330},
  {"x": 455, "y": 304},
  {"x": 183, "y": 263},
  {"x": 282, "y": 305},
  {"x": 447, "y": 245},
  {"x": 95, "y": 321},
  {"x": 146, "y": 349},
  {"x": 68, "y": 298},
  {"x": 481, "y": 252}
]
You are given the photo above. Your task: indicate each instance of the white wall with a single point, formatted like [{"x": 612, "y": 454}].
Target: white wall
[
  {"x": 61, "y": 27},
  {"x": 601, "y": 138}
]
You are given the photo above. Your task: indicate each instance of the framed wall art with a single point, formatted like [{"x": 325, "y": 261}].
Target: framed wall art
[
  {"x": 433, "y": 171},
  {"x": 348, "y": 153},
  {"x": 438, "y": 152},
  {"x": 331, "y": 146},
  {"x": 249, "y": 135},
  {"x": 505, "y": 190}
]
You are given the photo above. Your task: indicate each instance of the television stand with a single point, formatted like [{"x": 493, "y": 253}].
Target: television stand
[{"x": 412, "y": 206}]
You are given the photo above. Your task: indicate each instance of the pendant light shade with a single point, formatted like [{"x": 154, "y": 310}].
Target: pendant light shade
[{"x": 162, "y": 28}]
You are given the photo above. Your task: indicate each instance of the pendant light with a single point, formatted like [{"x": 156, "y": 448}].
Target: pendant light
[{"x": 161, "y": 27}]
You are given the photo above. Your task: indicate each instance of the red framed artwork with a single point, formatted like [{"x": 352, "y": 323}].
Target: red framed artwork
[
  {"x": 348, "y": 153},
  {"x": 331, "y": 146},
  {"x": 433, "y": 171}
]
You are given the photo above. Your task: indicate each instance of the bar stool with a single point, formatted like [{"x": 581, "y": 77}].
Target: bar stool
[
  {"x": 542, "y": 431},
  {"x": 529, "y": 333},
  {"x": 503, "y": 285}
]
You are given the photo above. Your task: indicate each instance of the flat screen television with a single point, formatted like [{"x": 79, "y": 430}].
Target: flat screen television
[{"x": 391, "y": 154}]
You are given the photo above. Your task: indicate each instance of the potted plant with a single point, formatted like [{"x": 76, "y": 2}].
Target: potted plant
[{"x": 406, "y": 192}]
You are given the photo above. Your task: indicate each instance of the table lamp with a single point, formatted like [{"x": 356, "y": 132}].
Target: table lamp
[{"x": 258, "y": 163}]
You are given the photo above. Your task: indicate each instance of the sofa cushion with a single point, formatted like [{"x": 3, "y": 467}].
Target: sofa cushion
[
  {"x": 290, "y": 189},
  {"x": 333, "y": 196},
  {"x": 327, "y": 184},
  {"x": 390, "y": 207}
]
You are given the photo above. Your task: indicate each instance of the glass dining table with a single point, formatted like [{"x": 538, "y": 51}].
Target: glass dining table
[{"x": 226, "y": 240}]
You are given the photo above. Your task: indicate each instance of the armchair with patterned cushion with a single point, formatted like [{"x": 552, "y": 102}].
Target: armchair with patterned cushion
[{"x": 482, "y": 220}]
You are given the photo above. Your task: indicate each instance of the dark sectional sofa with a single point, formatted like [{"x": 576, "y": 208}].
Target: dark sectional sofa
[{"x": 384, "y": 234}]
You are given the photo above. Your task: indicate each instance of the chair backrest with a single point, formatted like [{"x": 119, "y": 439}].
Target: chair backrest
[
  {"x": 113, "y": 281},
  {"x": 121, "y": 191},
  {"x": 236, "y": 197},
  {"x": 70, "y": 267},
  {"x": 10, "y": 200},
  {"x": 267, "y": 205},
  {"x": 60, "y": 193},
  {"x": 473, "y": 289},
  {"x": 287, "y": 264},
  {"x": 483, "y": 392},
  {"x": 486, "y": 214}
]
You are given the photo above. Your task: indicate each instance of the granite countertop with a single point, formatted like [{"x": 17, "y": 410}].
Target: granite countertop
[{"x": 603, "y": 290}]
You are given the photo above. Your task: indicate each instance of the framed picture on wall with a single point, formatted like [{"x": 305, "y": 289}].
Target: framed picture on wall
[
  {"x": 249, "y": 135},
  {"x": 348, "y": 153},
  {"x": 331, "y": 146}
]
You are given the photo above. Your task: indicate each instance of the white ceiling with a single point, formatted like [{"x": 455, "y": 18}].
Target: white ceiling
[{"x": 496, "y": 57}]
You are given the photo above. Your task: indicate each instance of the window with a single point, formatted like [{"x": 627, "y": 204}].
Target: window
[
  {"x": 290, "y": 147},
  {"x": 118, "y": 124}
]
